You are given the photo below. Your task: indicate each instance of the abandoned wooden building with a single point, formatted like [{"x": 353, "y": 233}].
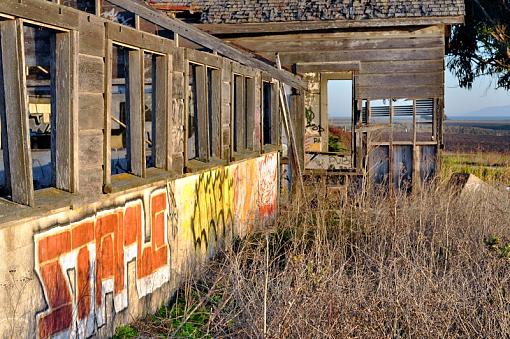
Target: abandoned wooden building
[
  {"x": 135, "y": 144},
  {"x": 387, "y": 57}
]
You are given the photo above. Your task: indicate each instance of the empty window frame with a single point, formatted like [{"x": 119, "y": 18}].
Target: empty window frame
[
  {"x": 243, "y": 113},
  {"x": 37, "y": 138},
  {"x": 378, "y": 112},
  {"x": 425, "y": 126},
  {"x": 137, "y": 110},
  {"x": 204, "y": 118},
  {"x": 403, "y": 120}
]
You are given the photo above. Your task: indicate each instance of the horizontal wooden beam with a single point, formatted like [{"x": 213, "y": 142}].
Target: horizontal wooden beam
[
  {"x": 313, "y": 67},
  {"x": 195, "y": 34},
  {"x": 295, "y": 26}
]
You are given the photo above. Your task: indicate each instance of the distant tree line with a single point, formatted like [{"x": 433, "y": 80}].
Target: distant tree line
[{"x": 482, "y": 45}]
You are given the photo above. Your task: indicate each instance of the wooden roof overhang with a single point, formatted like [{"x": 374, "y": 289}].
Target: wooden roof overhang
[{"x": 303, "y": 26}]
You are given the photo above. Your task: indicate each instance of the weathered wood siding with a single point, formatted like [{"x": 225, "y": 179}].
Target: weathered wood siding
[{"x": 406, "y": 62}]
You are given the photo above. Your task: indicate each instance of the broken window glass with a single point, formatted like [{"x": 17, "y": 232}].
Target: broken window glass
[
  {"x": 120, "y": 111},
  {"x": 39, "y": 55}
]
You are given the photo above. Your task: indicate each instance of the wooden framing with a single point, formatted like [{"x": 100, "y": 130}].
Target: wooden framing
[
  {"x": 64, "y": 107},
  {"x": 14, "y": 89},
  {"x": 81, "y": 83},
  {"x": 139, "y": 42},
  {"x": 208, "y": 98},
  {"x": 209, "y": 41}
]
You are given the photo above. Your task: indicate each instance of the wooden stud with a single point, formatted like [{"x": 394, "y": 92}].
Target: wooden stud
[
  {"x": 216, "y": 114},
  {"x": 160, "y": 126},
  {"x": 202, "y": 128},
  {"x": 249, "y": 113},
  {"x": 16, "y": 121},
  {"x": 107, "y": 151},
  {"x": 136, "y": 146}
]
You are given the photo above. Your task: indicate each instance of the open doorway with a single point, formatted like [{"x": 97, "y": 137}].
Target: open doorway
[
  {"x": 340, "y": 116},
  {"x": 329, "y": 126}
]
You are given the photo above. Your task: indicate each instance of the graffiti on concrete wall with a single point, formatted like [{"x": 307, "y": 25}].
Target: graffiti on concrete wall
[
  {"x": 79, "y": 263},
  {"x": 98, "y": 250}
]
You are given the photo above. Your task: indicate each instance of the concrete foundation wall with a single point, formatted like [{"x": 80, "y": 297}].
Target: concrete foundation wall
[{"x": 84, "y": 271}]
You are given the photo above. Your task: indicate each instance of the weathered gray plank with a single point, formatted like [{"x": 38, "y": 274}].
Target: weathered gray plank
[
  {"x": 250, "y": 112},
  {"x": 91, "y": 111},
  {"x": 20, "y": 162},
  {"x": 327, "y": 24},
  {"x": 238, "y": 126},
  {"x": 331, "y": 44},
  {"x": 64, "y": 119},
  {"x": 136, "y": 146},
  {"x": 107, "y": 180},
  {"x": 361, "y": 55},
  {"x": 313, "y": 67},
  {"x": 91, "y": 149},
  {"x": 160, "y": 126},
  {"x": 202, "y": 130},
  {"x": 411, "y": 92},
  {"x": 92, "y": 35},
  {"x": 91, "y": 74},
  {"x": 402, "y": 79},
  {"x": 42, "y": 11},
  {"x": 216, "y": 120}
]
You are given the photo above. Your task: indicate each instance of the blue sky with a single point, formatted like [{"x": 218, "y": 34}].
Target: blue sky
[{"x": 458, "y": 101}]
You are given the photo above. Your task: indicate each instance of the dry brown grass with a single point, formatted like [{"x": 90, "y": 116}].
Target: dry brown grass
[{"x": 427, "y": 266}]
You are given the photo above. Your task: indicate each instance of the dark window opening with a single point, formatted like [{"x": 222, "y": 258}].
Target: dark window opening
[
  {"x": 267, "y": 113},
  {"x": 39, "y": 44},
  {"x": 210, "y": 111},
  {"x": 149, "y": 102},
  {"x": 120, "y": 111},
  {"x": 238, "y": 112},
  {"x": 193, "y": 131},
  {"x": 88, "y": 6}
]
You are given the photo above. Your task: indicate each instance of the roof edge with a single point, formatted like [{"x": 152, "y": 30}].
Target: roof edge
[{"x": 290, "y": 26}]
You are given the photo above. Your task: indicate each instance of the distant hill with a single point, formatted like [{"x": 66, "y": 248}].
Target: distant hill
[{"x": 487, "y": 113}]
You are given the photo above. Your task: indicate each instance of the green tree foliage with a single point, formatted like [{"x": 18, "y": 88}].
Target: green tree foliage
[{"x": 482, "y": 45}]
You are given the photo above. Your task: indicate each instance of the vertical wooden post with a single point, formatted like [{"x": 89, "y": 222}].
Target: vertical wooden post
[
  {"x": 275, "y": 115},
  {"x": 249, "y": 114},
  {"x": 297, "y": 116},
  {"x": 202, "y": 130},
  {"x": 107, "y": 151},
  {"x": 16, "y": 112},
  {"x": 64, "y": 115},
  {"x": 160, "y": 127},
  {"x": 136, "y": 147},
  {"x": 226, "y": 110},
  {"x": 239, "y": 132},
  {"x": 215, "y": 138}
]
